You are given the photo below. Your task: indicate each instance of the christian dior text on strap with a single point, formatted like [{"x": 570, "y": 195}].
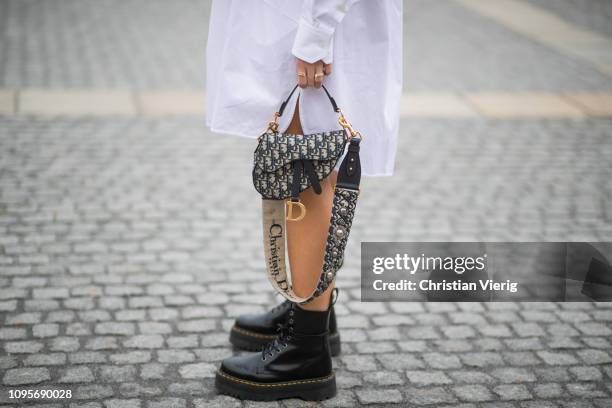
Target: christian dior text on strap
[{"x": 284, "y": 166}]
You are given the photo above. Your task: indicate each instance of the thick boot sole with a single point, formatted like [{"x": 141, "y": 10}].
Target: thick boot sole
[
  {"x": 315, "y": 389},
  {"x": 252, "y": 341}
]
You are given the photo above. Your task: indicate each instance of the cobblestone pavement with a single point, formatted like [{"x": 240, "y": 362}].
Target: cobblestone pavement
[
  {"x": 128, "y": 246},
  {"x": 156, "y": 43},
  {"x": 102, "y": 43}
]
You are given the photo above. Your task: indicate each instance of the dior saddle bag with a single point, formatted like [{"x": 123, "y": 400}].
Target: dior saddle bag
[{"x": 287, "y": 164}]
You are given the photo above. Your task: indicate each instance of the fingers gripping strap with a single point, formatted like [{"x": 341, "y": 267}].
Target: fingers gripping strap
[{"x": 274, "y": 227}]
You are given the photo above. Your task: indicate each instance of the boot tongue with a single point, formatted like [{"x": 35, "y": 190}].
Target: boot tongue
[{"x": 308, "y": 322}]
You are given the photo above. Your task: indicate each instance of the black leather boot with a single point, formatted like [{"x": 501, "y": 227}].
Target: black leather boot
[
  {"x": 296, "y": 364},
  {"x": 253, "y": 331}
]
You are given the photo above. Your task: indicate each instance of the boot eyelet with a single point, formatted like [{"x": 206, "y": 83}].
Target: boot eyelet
[{"x": 291, "y": 321}]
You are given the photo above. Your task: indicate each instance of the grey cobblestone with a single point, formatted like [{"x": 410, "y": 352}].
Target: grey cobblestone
[
  {"x": 458, "y": 331},
  {"x": 400, "y": 361},
  {"x": 559, "y": 374},
  {"x": 86, "y": 405},
  {"x": 198, "y": 370},
  {"x": 23, "y": 318},
  {"x": 585, "y": 389},
  {"x": 102, "y": 343},
  {"x": 45, "y": 359},
  {"x": 359, "y": 363},
  {"x": 154, "y": 328},
  {"x": 87, "y": 357},
  {"x": 586, "y": 373},
  {"x": 189, "y": 388},
  {"x": 61, "y": 316},
  {"x": 115, "y": 328},
  {"x": 557, "y": 358},
  {"x": 65, "y": 344},
  {"x": 442, "y": 361},
  {"x": 8, "y": 305},
  {"x": 473, "y": 393},
  {"x": 512, "y": 392},
  {"x": 131, "y": 357},
  {"x": 548, "y": 390},
  {"x": 428, "y": 396},
  {"x": 122, "y": 403},
  {"x": 146, "y": 341},
  {"x": 77, "y": 374},
  {"x": 23, "y": 346},
  {"x": 520, "y": 358},
  {"x": 20, "y": 376},
  {"x": 375, "y": 347},
  {"x": 383, "y": 378},
  {"x": 378, "y": 396},
  {"x": 221, "y": 401},
  {"x": 43, "y": 293},
  {"x": 167, "y": 403},
  {"x": 45, "y": 330},
  {"x": 93, "y": 391},
  {"x": 175, "y": 342},
  {"x": 198, "y": 326},
  {"x": 12, "y": 333},
  {"x": 428, "y": 377},
  {"x": 133, "y": 389},
  {"x": 152, "y": 371},
  {"x": 175, "y": 356},
  {"x": 482, "y": 359},
  {"x": 513, "y": 375},
  {"x": 592, "y": 356},
  {"x": 117, "y": 373},
  {"x": 412, "y": 345},
  {"x": 471, "y": 377},
  {"x": 94, "y": 315}
]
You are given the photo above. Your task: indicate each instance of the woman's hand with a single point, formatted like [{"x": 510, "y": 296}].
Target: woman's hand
[{"x": 312, "y": 74}]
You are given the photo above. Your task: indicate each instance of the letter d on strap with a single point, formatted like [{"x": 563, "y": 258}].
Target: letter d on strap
[{"x": 290, "y": 204}]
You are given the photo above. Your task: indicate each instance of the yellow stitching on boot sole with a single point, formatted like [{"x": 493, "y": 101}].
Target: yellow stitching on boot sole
[
  {"x": 285, "y": 384},
  {"x": 253, "y": 334},
  {"x": 264, "y": 336}
]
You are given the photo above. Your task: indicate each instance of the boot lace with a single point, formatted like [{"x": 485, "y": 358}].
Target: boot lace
[{"x": 285, "y": 333}]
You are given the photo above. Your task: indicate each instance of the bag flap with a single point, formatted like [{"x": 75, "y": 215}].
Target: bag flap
[{"x": 277, "y": 149}]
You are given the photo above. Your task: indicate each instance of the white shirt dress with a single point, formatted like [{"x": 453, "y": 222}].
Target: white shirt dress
[{"x": 251, "y": 53}]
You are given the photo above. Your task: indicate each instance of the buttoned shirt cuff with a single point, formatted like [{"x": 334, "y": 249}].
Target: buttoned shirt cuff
[{"x": 312, "y": 44}]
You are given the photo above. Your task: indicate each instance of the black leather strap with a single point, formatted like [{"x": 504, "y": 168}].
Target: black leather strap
[
  {"x": 298, "y": 168},
  {"x": 349, "y": 173},
  {"x": 286, "y": 101},
  {"x": 312, "y": 176}
]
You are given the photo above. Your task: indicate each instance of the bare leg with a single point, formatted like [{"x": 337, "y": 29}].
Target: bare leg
[{"x": 306, "y": 238}]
